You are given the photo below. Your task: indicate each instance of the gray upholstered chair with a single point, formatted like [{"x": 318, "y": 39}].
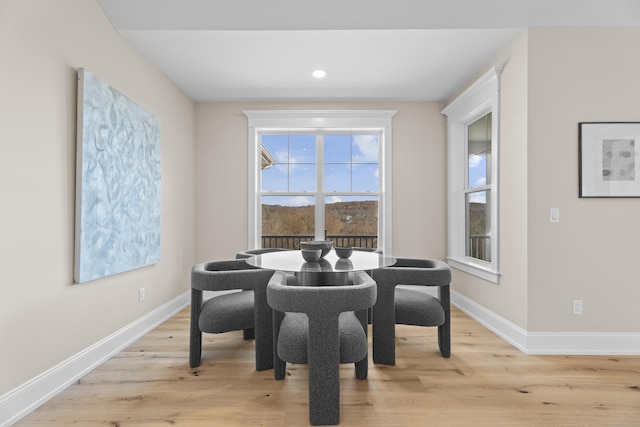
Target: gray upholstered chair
[
  {"x": 234, "y": 311},
  {"x": 358, "y": 248},
  {"x": 321, "y": 326},
  {"x": 403, "y": 298},
  {"x": 251, "y": 252},
  {"x": 248, "y": 334},
  {"x": 369, "y": 272}
]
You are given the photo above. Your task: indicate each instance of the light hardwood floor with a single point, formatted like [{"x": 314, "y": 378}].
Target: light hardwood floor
[{"x": 486, "y": 382}]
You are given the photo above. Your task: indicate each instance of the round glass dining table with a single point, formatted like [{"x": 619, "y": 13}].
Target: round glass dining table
[{"x": 329, "y": 270}]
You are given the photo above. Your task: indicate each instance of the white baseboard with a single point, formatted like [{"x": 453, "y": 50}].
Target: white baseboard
[
  {"x": 565, "y": 343},
  {"x": 506, "y": 330},
  {"x": 584, "y": 343},
  {"x": 22, "y": 400}
]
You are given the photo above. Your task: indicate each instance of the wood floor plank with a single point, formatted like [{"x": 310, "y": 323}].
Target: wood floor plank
[{"x": 486, "y": 382}]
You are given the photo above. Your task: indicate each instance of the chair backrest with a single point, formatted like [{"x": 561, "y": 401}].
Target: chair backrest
[
  {"x": 357, "y": 248},
  {"x": 414, "y": 271},
  {"x": 228, "y": 274},
  {"x": 284, "y": 295},
  {"x": 251, "y": 252}
]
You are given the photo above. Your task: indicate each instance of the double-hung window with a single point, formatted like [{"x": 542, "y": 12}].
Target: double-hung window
[
  {"x": 473, "y": 185},
  {"x": 319, "y": 175}
]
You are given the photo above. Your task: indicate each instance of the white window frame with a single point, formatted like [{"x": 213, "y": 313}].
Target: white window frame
[
  {"x": 315, "y": 121},
  {"x": 479, "y": 99}
]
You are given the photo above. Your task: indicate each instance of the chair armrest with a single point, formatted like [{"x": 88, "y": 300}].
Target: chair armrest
[{"x": 227, "y": 275}]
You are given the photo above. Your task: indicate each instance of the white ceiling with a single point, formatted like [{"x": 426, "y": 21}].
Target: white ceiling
[{"x": 372, "y": 50}]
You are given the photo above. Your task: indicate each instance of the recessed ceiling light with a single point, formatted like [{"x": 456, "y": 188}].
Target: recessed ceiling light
[{"x": 319, "y": 74}]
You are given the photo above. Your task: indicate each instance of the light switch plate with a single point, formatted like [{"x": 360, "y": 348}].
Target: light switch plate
[{"x": 554, "y": 214}]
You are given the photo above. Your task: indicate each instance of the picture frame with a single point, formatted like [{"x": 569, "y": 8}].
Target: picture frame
[{"x": 609, "y": 159}]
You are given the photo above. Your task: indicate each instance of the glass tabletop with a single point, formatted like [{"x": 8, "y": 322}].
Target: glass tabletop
[{"x": 292, "y": 261}]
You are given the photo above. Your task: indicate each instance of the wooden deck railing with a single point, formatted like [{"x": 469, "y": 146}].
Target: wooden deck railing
[
  {"x": 479, "y": 247},
  {"x": 292, "y": 241}
]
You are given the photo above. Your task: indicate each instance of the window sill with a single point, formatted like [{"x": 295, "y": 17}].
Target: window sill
[{"x": 475, "y": 268}]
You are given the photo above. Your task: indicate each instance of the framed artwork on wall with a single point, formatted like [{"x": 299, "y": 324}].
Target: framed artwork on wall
[
  {"x": 117, "y": 182},
  {"x": 609, "y": 159}
]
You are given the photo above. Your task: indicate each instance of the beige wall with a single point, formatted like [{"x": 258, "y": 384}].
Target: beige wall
[
  {"x": 575, "y": 75},
  {"x": 419, "y": 175},
  {"x": 509, "y": 298},
  {"x": 553, "y": 79},
  {"x": 44, "y": 317}
]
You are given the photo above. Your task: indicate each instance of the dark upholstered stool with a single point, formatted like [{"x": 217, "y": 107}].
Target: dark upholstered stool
[
  {"x": 245, "y": 310},
  {"x": 322, "y": 326},
  {"x": 403, "y": 298}
]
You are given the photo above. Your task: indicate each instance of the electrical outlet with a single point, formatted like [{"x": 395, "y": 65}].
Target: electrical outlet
[
  {"x": 577, "y": 306},
  {"x": 141, "y": 295}
]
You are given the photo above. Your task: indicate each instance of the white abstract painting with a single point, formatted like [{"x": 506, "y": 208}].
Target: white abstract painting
[{"x": 117, "y": 184}]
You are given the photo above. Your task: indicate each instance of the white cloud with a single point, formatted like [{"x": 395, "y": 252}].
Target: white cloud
[
  {"x": 300, "y": 201},
  {"x": 479, "y": 197},
  {"x": 286, "y": 163},
  {"x": 475, "y": 160},
  {"x": 334, "y": 199},
  {"x": 281, "y": 161},
  {"x": 369, "y": 146},
  {"x": 282, "y": 156},
  {"x": 481, "y": 182}
]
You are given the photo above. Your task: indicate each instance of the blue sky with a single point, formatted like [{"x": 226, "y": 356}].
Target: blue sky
[
  {"x": 350, "y": 165},
  {"x": 478, "y": 176}
]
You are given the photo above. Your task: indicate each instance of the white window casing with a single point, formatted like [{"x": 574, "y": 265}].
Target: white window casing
[
  {"x": 481, "y": 98},
  {"x": 260, "y": 121}
]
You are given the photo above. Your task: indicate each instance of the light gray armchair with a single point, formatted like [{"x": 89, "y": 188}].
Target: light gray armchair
[
  {"x": 403, "y": 298},
  {"x": 244, "y": 310},
  {"x": 322, "y": 326}
]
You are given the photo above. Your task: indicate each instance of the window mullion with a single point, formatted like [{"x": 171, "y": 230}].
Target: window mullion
[
  {"x": 320, "y": 200},
  {"x": 288, "y": 163},
  {"x": 351, "y": 142}
]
